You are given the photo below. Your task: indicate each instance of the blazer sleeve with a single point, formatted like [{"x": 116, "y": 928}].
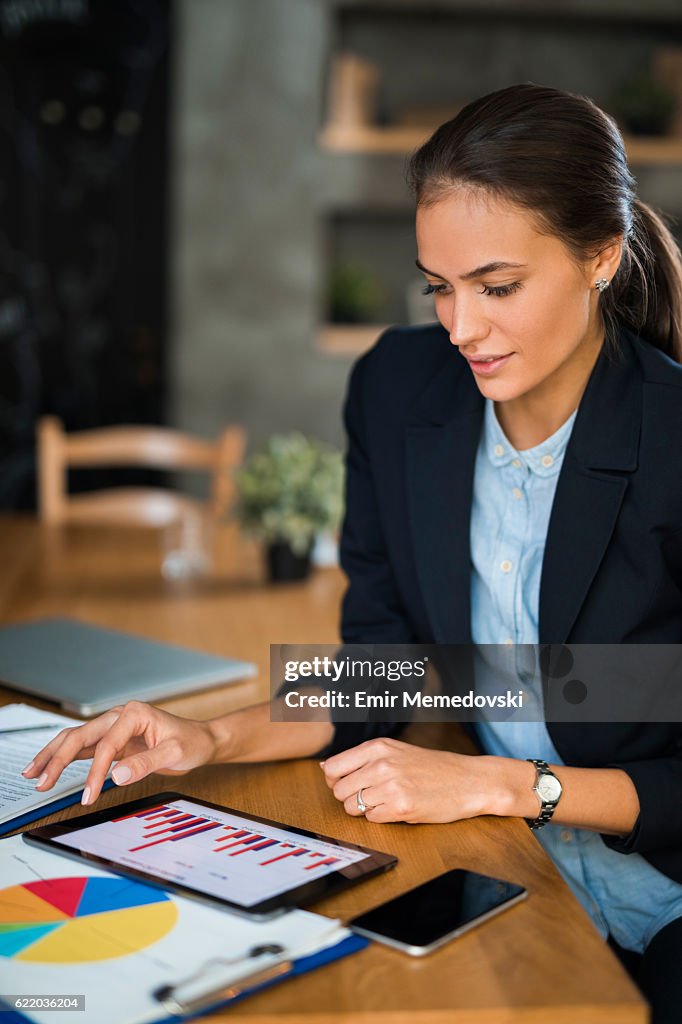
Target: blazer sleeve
[
  {"x": 372, "y": 611},
  {"x": 658, "y": 781},
  {"x": 659, "y": 826}
]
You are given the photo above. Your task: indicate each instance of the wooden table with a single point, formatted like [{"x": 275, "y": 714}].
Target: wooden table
[{"x": 541, "y": 963}]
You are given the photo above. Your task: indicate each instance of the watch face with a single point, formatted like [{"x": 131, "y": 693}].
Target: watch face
[{"x": 548, "y": 788}]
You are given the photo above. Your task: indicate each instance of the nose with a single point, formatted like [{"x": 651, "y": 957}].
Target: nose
[{"x": 464, "y": 321}]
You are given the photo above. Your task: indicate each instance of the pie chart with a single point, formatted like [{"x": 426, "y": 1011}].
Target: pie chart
[{"x": 74, "y": 920}]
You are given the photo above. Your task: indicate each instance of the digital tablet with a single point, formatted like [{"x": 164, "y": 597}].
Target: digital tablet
[{"x": 216, "y": 854}]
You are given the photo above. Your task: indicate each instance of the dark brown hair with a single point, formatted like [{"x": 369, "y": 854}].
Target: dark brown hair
[{"x": 562, "y": 158}]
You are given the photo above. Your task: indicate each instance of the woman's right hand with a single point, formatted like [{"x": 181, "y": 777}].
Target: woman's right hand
[{"x": 143, "y": 739}]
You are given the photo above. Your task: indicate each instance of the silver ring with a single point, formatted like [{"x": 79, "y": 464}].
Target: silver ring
[{"x": 362, "y": 806}]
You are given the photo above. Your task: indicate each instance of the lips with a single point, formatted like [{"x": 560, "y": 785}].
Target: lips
[{"x": 487, "y": 365}]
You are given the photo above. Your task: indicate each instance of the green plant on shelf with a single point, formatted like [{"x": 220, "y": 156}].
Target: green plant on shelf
[
  {"x": 643, "y": 106},
  {"x": 355, "y": 294}
]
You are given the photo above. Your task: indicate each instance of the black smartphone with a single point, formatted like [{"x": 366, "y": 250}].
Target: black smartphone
[{"x": 425, "y": 918}]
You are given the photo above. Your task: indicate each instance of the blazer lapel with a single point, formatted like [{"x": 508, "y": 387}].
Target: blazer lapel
[
  {"x": 601, "y": 454},
  {"x": 442, "y": 440}
]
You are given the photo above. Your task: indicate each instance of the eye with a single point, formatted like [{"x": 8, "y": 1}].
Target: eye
[
  {"x": 501, "y": 290},
  {"x": 433, "y": 289}
]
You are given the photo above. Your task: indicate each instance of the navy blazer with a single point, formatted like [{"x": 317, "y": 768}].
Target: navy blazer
[{"x": 612, "y": 568}]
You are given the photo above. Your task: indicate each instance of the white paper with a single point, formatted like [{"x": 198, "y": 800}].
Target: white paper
[
  {"x": 17, "y": 794},
  {"x": 118, "y": 990}
]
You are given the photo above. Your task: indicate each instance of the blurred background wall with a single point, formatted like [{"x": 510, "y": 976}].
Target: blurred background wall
[
  {"x": 248, "y": 273},
  {"x": 203, "y": 215}
]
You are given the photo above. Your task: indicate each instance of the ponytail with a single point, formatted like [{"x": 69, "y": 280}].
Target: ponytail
[{"x": 646, "y": 292}]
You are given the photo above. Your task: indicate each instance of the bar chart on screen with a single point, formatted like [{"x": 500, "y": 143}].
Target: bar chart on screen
[{"x": 217, "y": 852}]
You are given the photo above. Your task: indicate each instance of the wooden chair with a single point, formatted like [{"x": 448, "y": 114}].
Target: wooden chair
[{"x": 156, "y": 447}]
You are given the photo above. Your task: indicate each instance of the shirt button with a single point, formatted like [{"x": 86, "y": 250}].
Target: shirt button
[
  {"x": 506, "y": 566},
  {"x": 516, "y": 463},
  {"x": 566, "y": 835},
  {"x": 547, "y": 461},
  {"x": 498, "y": 450},
  {"x": 517, "y": 493}
]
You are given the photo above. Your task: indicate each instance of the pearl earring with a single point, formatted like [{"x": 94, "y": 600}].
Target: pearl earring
[{"x": 602, "y": 284}]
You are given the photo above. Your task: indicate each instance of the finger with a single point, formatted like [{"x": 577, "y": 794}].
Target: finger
[
  {"x": 109, "y": 748},
  {"x": 79, "y": 741},
  {"x": 70, "y": 745},
  {"x": 161, "y": 758},
  {"x": 385, "y": 802},
  {"x": 382, "y": 814},
  {"x": 36, "y": 766},
  {"x": 348, "y": 761},
  {"x": 373, "y": 773},
  {"x": 388, "y": 802},
  {"x": 369, "y": 798},
  {"x": 89, "y": 732}
]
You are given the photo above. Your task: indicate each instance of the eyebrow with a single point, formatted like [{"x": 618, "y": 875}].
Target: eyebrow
[{"x": 487, "y": 268}]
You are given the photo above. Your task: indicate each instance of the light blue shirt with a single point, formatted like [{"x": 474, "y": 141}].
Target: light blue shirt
[{"x": 513, "y": 493}]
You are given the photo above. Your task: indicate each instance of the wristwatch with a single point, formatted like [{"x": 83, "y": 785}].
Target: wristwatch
[{"x": 548, "y": 790}]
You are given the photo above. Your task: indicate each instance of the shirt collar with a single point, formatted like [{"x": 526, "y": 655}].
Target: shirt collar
[{"x": 543, "y": 460}]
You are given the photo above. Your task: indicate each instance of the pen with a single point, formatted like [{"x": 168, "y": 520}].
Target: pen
[{"x": 30, "y": 728}]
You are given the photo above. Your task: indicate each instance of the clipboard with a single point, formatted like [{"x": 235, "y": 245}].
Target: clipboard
[
  {"x": 41, "y": 812},
  {"x": 205, "y": 959},
  {"x": 219, "y": 998},
  {"x": 216, "y": 999}
]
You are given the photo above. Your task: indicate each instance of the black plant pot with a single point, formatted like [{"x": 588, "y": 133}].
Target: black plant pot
[
  {"x": 647, "y": 124},
  {"x": 284, "y": 565}
]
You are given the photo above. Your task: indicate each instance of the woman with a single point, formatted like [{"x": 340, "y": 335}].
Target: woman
[{"x": 513, "y": 475}]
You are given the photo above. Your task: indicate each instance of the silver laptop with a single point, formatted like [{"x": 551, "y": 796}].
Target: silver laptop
[{"x": 88, "y": 669}]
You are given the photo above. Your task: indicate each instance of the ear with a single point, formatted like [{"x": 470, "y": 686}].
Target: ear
[{"x": 606, "y": 262}]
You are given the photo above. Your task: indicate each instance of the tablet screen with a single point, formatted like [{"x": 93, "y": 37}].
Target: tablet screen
[{"x": 240, "y": 860}]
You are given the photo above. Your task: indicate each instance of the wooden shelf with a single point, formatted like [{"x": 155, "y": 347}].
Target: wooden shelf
[
  {"x": 398, "y": 140},
  {"x": 654, "y": 151},
  {"x": 347, "y": 339},
  {"x": 584, "y": 10},
  {"x": 371, "y": 140}
]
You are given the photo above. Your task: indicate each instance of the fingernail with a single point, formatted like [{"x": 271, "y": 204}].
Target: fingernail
[
  {"x": 41, "y": 780},
  {"x": 28, "y": 767},
  {"x": 121, "y": 774},
  {"x": 85, "y": 799}
]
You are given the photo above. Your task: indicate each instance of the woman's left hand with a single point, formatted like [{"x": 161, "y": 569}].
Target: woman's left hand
[{"x": 402, "y": 782}]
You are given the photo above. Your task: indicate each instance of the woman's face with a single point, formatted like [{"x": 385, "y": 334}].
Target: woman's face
[{"x": 515, "y": 304}]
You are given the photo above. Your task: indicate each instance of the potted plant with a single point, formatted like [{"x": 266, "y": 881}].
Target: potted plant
[
  {"x": 643, "y": 106},
  {"x": 289, "y": 491},
  {"x": 355, "y": 294}
]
